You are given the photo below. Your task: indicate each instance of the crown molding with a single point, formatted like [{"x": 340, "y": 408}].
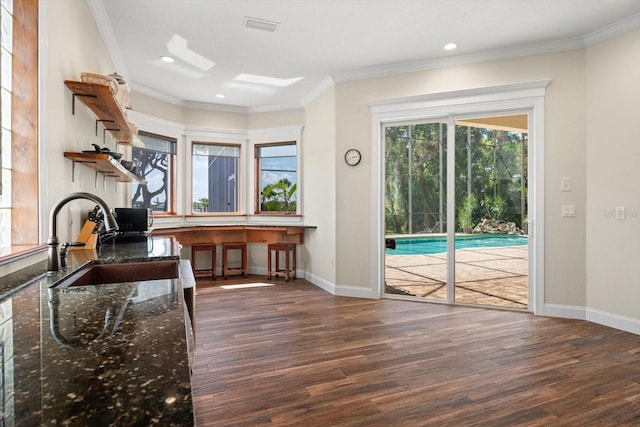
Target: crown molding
[
  {"x": 145, "y": 90},
  {"x": 210, "y": 106},
  {"x": 321, "y": 88},
  {"x": 108, "y": 35},
  {"x": 628, "y": 24},
  {"x": 275, "y": 107},
  {"x": 443, "y": 62},
  {"x": 196, "y": 105}
]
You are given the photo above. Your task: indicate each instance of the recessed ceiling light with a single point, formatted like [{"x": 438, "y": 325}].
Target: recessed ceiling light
[
  {"x": 450, "y": 46},
  {"x": 266, "y": 80},
  {"x": 220, "y": 96},
  {"x": 167, "y": 58},
  {"x": 260, "y": 24}
]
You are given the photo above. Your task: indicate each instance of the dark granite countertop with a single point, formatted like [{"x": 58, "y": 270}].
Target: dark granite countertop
[{"x": 98, "y": 355}]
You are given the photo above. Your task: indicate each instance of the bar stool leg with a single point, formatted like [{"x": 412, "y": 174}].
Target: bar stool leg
[
  {"x": 204, "y": 248},
  {"x": 245, "y": 265},
  {"x": 224, "y": 263},
  {"x": 213, "y": 262},
  {"x": 286, "y": 265},
  {"x": 294, "y": 250}
]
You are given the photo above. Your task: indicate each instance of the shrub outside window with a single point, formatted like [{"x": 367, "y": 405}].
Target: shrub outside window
[
  {"x": 154, "y": 163},
  {"x": 276, "y": 178},
  {"x": 215, "y": 178}
]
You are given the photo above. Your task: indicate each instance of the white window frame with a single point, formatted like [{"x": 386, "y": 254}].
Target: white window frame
[
  {"x": 527, "y": 96},
  {"x": 239, "y": 176},
  {"x": 275, "y": 135},
  {"x": 168, "y": 129},
  {"x": 199, "y": 135}
]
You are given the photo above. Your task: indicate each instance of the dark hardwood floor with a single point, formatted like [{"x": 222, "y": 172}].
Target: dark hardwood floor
[{"x": 292, "y": 354}]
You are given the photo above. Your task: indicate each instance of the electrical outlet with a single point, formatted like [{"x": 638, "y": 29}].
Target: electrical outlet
[
  {"x": 620, "y": 212},
  {"x": 565, "y": 184}
]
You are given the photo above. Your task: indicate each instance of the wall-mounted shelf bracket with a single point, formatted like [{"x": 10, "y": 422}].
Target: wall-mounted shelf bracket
[
  {"x": 102, "y": 103},
  {"x": 73, "y": 101},
  {"x": 103, "y": 164},
  {"x": 102, "y": 121},
  {"x": 104, "y": 133}
]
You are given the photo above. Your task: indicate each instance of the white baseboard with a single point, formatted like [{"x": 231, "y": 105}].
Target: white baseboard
[
  {"x": 355, "y": 292},
  {"x": 342, "y": 291},
  {"x": 616, "y": 321},
  {"x": 565, "y": 311},
  {"x": 321, "y": 283},
  {"x": 623, "y": 323}
]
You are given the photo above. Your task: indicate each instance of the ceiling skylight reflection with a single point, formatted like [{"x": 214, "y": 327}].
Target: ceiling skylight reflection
[{"x": 266, "y": 80}]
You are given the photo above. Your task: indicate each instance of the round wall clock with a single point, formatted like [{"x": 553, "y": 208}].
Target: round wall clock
[{"x": 352, "y": 157}]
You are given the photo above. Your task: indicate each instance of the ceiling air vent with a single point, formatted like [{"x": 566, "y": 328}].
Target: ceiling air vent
[{"x": 260, "y": 24}]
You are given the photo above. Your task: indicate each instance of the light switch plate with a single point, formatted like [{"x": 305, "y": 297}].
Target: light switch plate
[
  {"x": 568, "y": 210},
  {"x": 565, "y": 184}
]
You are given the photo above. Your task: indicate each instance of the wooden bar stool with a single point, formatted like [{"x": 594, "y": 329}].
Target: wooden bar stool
[
  {"x": 242, "y": 269},
  {"x": 289, "y": 270},
  {"x": 204, "y": 271}
]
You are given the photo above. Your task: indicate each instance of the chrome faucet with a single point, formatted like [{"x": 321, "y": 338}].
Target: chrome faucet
[{"x": 53, "y": 242}]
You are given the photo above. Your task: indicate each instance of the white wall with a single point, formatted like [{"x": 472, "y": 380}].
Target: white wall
[
  {"x": 613, "y": 158},
  {"x": 155, "y": 108},
  {"x": 274, "y": 119},
  {"x": 215, "y": 119},
  {"x": 319, "y": 156},
  {"x": 69, "y": 44},
  {"x": 564, "y": 157}
]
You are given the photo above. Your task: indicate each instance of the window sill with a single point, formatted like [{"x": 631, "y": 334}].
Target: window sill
[
  {"x": 18, "y": 252},
  {"x": 215, "y": 215},
  {"x": 279, "y": 214}
]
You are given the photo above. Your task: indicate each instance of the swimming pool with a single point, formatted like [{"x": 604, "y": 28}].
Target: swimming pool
[{"x": 438, "y": 244}]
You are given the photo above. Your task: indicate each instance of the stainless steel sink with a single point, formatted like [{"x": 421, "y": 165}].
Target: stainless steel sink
[{"x": 100, "y": 274}]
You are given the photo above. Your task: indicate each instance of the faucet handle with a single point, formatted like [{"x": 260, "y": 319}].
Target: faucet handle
[
  {"x": 64, "y": 249},
  {"x": 63, "y": 254}
]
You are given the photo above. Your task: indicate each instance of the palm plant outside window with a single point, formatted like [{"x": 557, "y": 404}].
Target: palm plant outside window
[{"x": 277, "y": 178}]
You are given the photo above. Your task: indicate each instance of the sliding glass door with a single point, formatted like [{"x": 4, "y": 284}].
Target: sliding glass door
[
  {"x": 491, "y": 255},
  {"x": 416, "y": 209},
  {"x": 481, "y": 257}
]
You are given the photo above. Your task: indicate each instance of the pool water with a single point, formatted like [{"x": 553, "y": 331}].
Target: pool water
[{"x": 435, "y": 245}]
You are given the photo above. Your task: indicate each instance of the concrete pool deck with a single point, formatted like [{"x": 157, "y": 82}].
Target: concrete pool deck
[{"x": 487, "y": 276}]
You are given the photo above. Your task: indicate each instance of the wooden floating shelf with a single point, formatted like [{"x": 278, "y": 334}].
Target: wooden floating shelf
[
  {"x": 98, "y": 98},
  {"x": 106, "y": 165}
]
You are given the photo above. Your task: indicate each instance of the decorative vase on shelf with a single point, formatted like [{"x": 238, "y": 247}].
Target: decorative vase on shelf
[{"x": 124, "y": 92}]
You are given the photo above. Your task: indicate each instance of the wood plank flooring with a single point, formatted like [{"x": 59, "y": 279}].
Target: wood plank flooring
[{"x": 292, "y": 354}]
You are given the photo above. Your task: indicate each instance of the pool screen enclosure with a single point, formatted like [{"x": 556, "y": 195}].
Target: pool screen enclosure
[{"x": 490, "y": 194}]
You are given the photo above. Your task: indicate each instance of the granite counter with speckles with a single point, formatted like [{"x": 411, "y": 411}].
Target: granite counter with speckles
[{"x": 100, "y": 355}]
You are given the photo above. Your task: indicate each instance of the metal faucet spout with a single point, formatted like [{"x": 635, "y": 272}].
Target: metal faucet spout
[{"x": 110, "y": 223}]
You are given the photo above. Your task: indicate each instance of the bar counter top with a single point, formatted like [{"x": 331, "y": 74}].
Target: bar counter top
[
  {"x": 96, "y": 355},
  {"x": 189, "y": 234}
]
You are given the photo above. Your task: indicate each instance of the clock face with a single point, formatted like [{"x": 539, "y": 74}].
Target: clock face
[{"x": 352, "y": 157}]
